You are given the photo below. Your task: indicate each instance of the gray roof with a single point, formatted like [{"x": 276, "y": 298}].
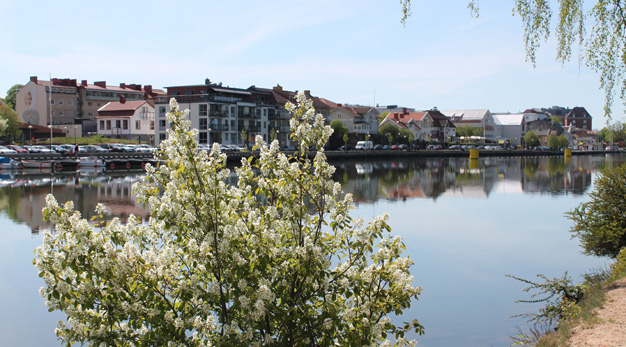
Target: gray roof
[
  {"x": 509, "y": 119},
  {"x": 466, "y": 114}
]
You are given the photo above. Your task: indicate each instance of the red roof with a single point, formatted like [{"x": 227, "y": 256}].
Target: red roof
[{"x": 121, "y": 109}]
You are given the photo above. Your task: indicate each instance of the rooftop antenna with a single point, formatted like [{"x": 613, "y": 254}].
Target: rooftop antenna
[{"x": 50, "y": 103}]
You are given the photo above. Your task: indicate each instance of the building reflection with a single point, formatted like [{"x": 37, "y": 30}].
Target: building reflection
[
  {"x": 432, "y": 178},
  {"x": 22, "y": 195}
]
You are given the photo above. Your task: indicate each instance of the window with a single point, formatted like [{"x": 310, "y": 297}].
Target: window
[
  {"x": 61, "y": 113},
  {"x": 61, "y": 102},
  {"x": 162, "y": 124},
  {"x": 203, "y": 124},
  {"x": 162, "y": 111},
  {"x": 162, "y": 136},
  {"x": 118, "y": 124},
  {"x": 151, "y": 125},
  {"x": 125, "y": 124},
  {"x": 90, "y": 114},
  {"x": 108, "y": 125},
  {"x": 89, "y": 103},
  {"x": 202, "y": 137},
  {"x": 70, "y": 103},
  {"x": 138, "y": 125},
  {"x": 51, "y": 101},
  {"x": 52, "y": 112},
  {"x": 70, "y": 113},
  {"x": 204, "y": 110}
]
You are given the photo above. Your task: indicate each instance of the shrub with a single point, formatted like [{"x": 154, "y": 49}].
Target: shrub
[
  {"x": 274, "y": 259},
  {"x": 601, "y": 223}
]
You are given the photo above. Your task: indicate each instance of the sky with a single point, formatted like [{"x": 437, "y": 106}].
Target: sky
[{"x": 347, "y": 51}]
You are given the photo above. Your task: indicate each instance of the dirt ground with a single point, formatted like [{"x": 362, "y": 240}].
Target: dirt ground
[{"x": 611, "y": 331}]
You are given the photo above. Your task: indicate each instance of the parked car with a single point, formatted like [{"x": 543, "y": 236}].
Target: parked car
[
  {"x": 378, "y": 147},
  {"x": 434, "y": 147},
  {"x": 364, "y": 145},
  {"x": 5, "y": 150},
  {"x": 42, "y": 149},
  {"x": 386, "y": 147},
  {"x": 144, "y": 149},
  {"x": 92, "y": 149},
  {"x": 455, "y": 147},
  {"x": 17, "y": 148},
  {"x": 346, "y": 148},
  {"x": 60, "y": 149},
  {"x": 404, "y": 147}
]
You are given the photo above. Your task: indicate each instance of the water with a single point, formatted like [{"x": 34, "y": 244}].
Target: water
[{"x": 466, "y": 225}]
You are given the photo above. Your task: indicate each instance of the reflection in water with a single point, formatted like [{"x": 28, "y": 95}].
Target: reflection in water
[
  {"x": 23, "y": 196},
  {"x": 431, "y": 178}
]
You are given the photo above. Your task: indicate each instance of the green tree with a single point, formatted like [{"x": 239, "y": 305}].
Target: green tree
[
  {"x": 563, "y": 141},
  {"x": 11, "y": 130},
  {"x": 339, "y": 131},
  {"x": 382, "y": 116},
  {"x": 602, "y": 48},
  {"x": 12, "y": 94},
  {"x": 531, "y": 139},
  {"x": 274, "y": 259},
  {"x": 553, "y": 141},
  {"x": 600, "y": 223},
  {"x": 556, "y": 119},
  {"x": 390, "y": 131}
]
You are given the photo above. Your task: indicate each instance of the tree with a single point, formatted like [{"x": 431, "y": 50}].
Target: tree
[
  {"x": 531, "y": 139},
  {"x": 563, "y": 141},
  {"x": 603, "y": 48},
  {"x": 553, "y": 141},
  {"x": 12, "y": 94},
  {"x": 600, "y": 223},
  {"x": 11, "y": 129},
  {"x": 556, "y": 119},
  {"x": 274, "y": 259},
  {"x": 390, "y": 131},
  {"x": 339, "y": 131}
]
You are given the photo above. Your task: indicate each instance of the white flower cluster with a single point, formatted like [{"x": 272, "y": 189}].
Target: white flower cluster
[{"x": 273, "y": 259}]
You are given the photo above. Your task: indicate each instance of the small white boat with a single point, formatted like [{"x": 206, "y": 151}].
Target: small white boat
[
  {"x": 8, "y": 164},
  {"x": 35, "y": 164},
  {"x": 90, "y": 163}
]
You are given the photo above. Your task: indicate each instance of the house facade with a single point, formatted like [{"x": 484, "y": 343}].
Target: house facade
[
  {"x": 579, "y": 118},
  {"x": 129, "y": 120},
  {"x": 357, "y": 119},
  {"x": 481, "y": 118},
  {"x": 510, "y": 127},
  {"x": 66, "y": 104},
  {"x": 221, "y": 114}
]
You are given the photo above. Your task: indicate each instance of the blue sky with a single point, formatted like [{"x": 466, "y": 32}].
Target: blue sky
[{"x": 347, "y": 51}]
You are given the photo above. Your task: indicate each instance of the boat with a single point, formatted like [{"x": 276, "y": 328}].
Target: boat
[
  {"x": 87, "y": 163},
  {"x": 35, "y": 164},
  {"x": 8, "y": 164}
]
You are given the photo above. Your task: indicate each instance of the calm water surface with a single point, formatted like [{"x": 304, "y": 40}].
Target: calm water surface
[{"x": 466, "y": 224}]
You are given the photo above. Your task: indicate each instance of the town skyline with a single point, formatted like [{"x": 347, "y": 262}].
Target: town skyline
[{"x": 349, "y": 52}]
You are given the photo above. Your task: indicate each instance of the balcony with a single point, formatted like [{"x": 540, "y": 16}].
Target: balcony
[
  {"x": 220, "y": 127},
  {"x": 250, "y": 129},
  {"x": 146, "y": 115},
  {"x": 218, "y": 114},
  {"x": 249, "y": 116}
]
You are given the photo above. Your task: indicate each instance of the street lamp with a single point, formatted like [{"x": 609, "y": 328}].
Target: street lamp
[
  {"x": 278, "y": 137},
  {"x": 30, "y": 133}
]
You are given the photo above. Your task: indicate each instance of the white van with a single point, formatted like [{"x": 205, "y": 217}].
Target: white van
[{"x": 364, "y": 145}]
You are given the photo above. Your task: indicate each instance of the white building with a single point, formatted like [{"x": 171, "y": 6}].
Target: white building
[
  {"x": 475, "y": 118},
  {"x": 130, "y": 120},
  {"x": 510, "y": 127}
]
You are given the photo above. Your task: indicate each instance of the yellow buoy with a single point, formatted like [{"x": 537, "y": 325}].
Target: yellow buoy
[
  {"x": 473, "y": 153},
  {"x": 568, "y": 153}
]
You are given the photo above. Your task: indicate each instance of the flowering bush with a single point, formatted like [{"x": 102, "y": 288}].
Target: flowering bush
[{"x": 274, "y": 260}]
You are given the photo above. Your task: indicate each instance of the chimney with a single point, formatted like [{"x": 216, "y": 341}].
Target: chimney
[
  {"x": 307, "y": 92},
  {"x": 148, "y": 89},
  {"x": 278, "y": 88},
  {"x": 55, "y": 81},
  {"x": 83, "y": 83},
  {"x": 123, "y": 85},
  {"x": 102, "y": 84},
  {"x": 33, "y": 79},
  {"x": 395, "y": 115},
  {"x": 122, "y": 99},
  {"x": 404, "y": 111},
  {"x": 73, "y": 83},
  {"x": 207, "y": 81}
]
